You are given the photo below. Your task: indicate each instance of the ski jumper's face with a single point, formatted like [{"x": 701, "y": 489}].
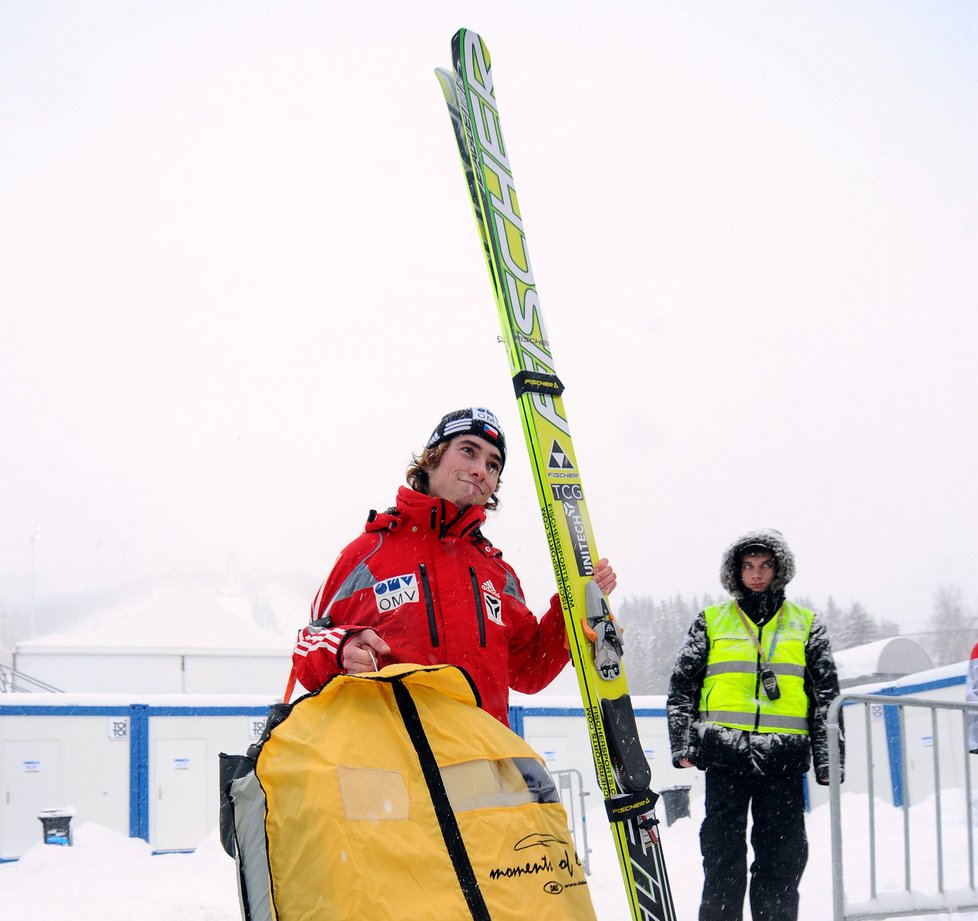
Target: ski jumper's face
[
  {"x": 467, "y": 473},
  {"x": 757, "y": 571}
]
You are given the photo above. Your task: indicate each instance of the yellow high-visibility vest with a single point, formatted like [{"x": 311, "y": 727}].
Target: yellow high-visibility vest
[{"x": 732, "y": 694}]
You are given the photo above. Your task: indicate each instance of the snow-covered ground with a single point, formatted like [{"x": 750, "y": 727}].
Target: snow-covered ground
[{"x": 107, "y": 877}]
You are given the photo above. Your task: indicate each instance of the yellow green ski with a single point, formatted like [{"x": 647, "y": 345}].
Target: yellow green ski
[{"x": 595, "y": 640}]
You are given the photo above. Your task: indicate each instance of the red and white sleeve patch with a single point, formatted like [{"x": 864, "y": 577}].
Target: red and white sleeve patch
[{"x": 312, "y": 639}]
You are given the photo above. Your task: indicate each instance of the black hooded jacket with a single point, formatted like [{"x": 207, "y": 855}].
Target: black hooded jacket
[{"x": 736, "y": 751}]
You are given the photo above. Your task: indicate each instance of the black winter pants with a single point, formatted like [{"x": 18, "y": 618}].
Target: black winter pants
[{"x": 778, "y": 841}]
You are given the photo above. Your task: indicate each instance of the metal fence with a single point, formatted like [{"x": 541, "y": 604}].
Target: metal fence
[
  {"x": 912, "y": 781},
  {"x": 12, "y": 681},
  {"x": 570, "y": 787}
]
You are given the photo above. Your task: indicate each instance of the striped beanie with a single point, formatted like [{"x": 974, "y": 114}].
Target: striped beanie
[{"x": 475, "y": 420}]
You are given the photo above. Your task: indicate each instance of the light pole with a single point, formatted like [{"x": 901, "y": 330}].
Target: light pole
[
  {"x": 98, "y": 582},
  {"x": 37, "y": 531}
]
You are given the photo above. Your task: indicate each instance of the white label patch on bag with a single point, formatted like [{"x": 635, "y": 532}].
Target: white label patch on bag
[
  {"x": 390, "y": 594},
  {"x": 494, "y": 608}
]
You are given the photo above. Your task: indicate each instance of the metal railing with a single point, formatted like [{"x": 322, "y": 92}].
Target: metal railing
[
  {"x": 570, "y": 787},
  {"x": 892, "y": 712},
  {"x": 12, "y": 681}
]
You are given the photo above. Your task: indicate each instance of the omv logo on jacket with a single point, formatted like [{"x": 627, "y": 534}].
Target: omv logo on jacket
[{"x": 390, "y": 594}]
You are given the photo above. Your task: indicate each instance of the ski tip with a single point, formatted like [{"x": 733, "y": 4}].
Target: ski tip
[
  {"x": 446, "y": 80},
  {"x": 467, "y": 38}
]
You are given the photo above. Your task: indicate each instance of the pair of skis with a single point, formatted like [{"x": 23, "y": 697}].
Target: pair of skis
[{"x": 595, "y": 640}]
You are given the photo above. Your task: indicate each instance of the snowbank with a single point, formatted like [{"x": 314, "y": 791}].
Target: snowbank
[{"x": 107, "y": 877}]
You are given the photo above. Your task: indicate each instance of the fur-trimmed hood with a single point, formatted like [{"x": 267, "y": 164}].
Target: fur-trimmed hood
[{"x": 765, "y": 537}]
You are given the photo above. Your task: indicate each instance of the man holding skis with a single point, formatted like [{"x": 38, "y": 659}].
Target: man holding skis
[
  {"x": 421, "y": 584},
  {"x": 748, "y": 702}
]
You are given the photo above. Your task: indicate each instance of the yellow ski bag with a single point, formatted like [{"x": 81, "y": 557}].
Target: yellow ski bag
[{"x": 391, "y": 796}]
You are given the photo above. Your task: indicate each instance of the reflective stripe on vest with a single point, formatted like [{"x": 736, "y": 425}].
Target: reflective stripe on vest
[{"x": 732, "y": 694}]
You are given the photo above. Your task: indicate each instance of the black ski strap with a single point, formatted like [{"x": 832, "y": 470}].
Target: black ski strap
[
  {"x": 629, "y": 805},
  {"x": 450, "y": 831},
  {"x": 537, "y": 382}
]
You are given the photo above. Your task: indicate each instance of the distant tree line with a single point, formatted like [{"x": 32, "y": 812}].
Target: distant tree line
[
  {"x": 655, "y": 629},
  {"x": 951, "y": 632}
]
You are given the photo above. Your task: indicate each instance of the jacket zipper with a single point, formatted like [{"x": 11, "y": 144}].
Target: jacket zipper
[
  {"x": 429, "y": 604},
  {"x": 480, "y": 610}
]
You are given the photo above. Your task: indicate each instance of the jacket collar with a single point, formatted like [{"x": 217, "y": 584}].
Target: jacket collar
[
  {"x": 761, "y": 607},
  {"x": 438, "y": 515}
]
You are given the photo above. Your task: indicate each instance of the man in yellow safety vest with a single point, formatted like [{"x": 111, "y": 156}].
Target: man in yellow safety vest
[{"x": 747, "y": 703}]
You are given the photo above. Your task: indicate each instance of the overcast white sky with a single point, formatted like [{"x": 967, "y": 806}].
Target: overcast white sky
[{"x": 240, "y": 282}]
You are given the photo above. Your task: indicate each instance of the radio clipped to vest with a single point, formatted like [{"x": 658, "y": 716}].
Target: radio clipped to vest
[{"x": 769, "y": 681}]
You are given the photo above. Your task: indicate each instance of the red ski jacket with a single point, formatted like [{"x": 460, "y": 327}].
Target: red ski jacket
[{"x": 423, "y": 576}]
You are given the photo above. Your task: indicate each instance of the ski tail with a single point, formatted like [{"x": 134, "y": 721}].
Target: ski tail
[{"x": 593, "y": 636}]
